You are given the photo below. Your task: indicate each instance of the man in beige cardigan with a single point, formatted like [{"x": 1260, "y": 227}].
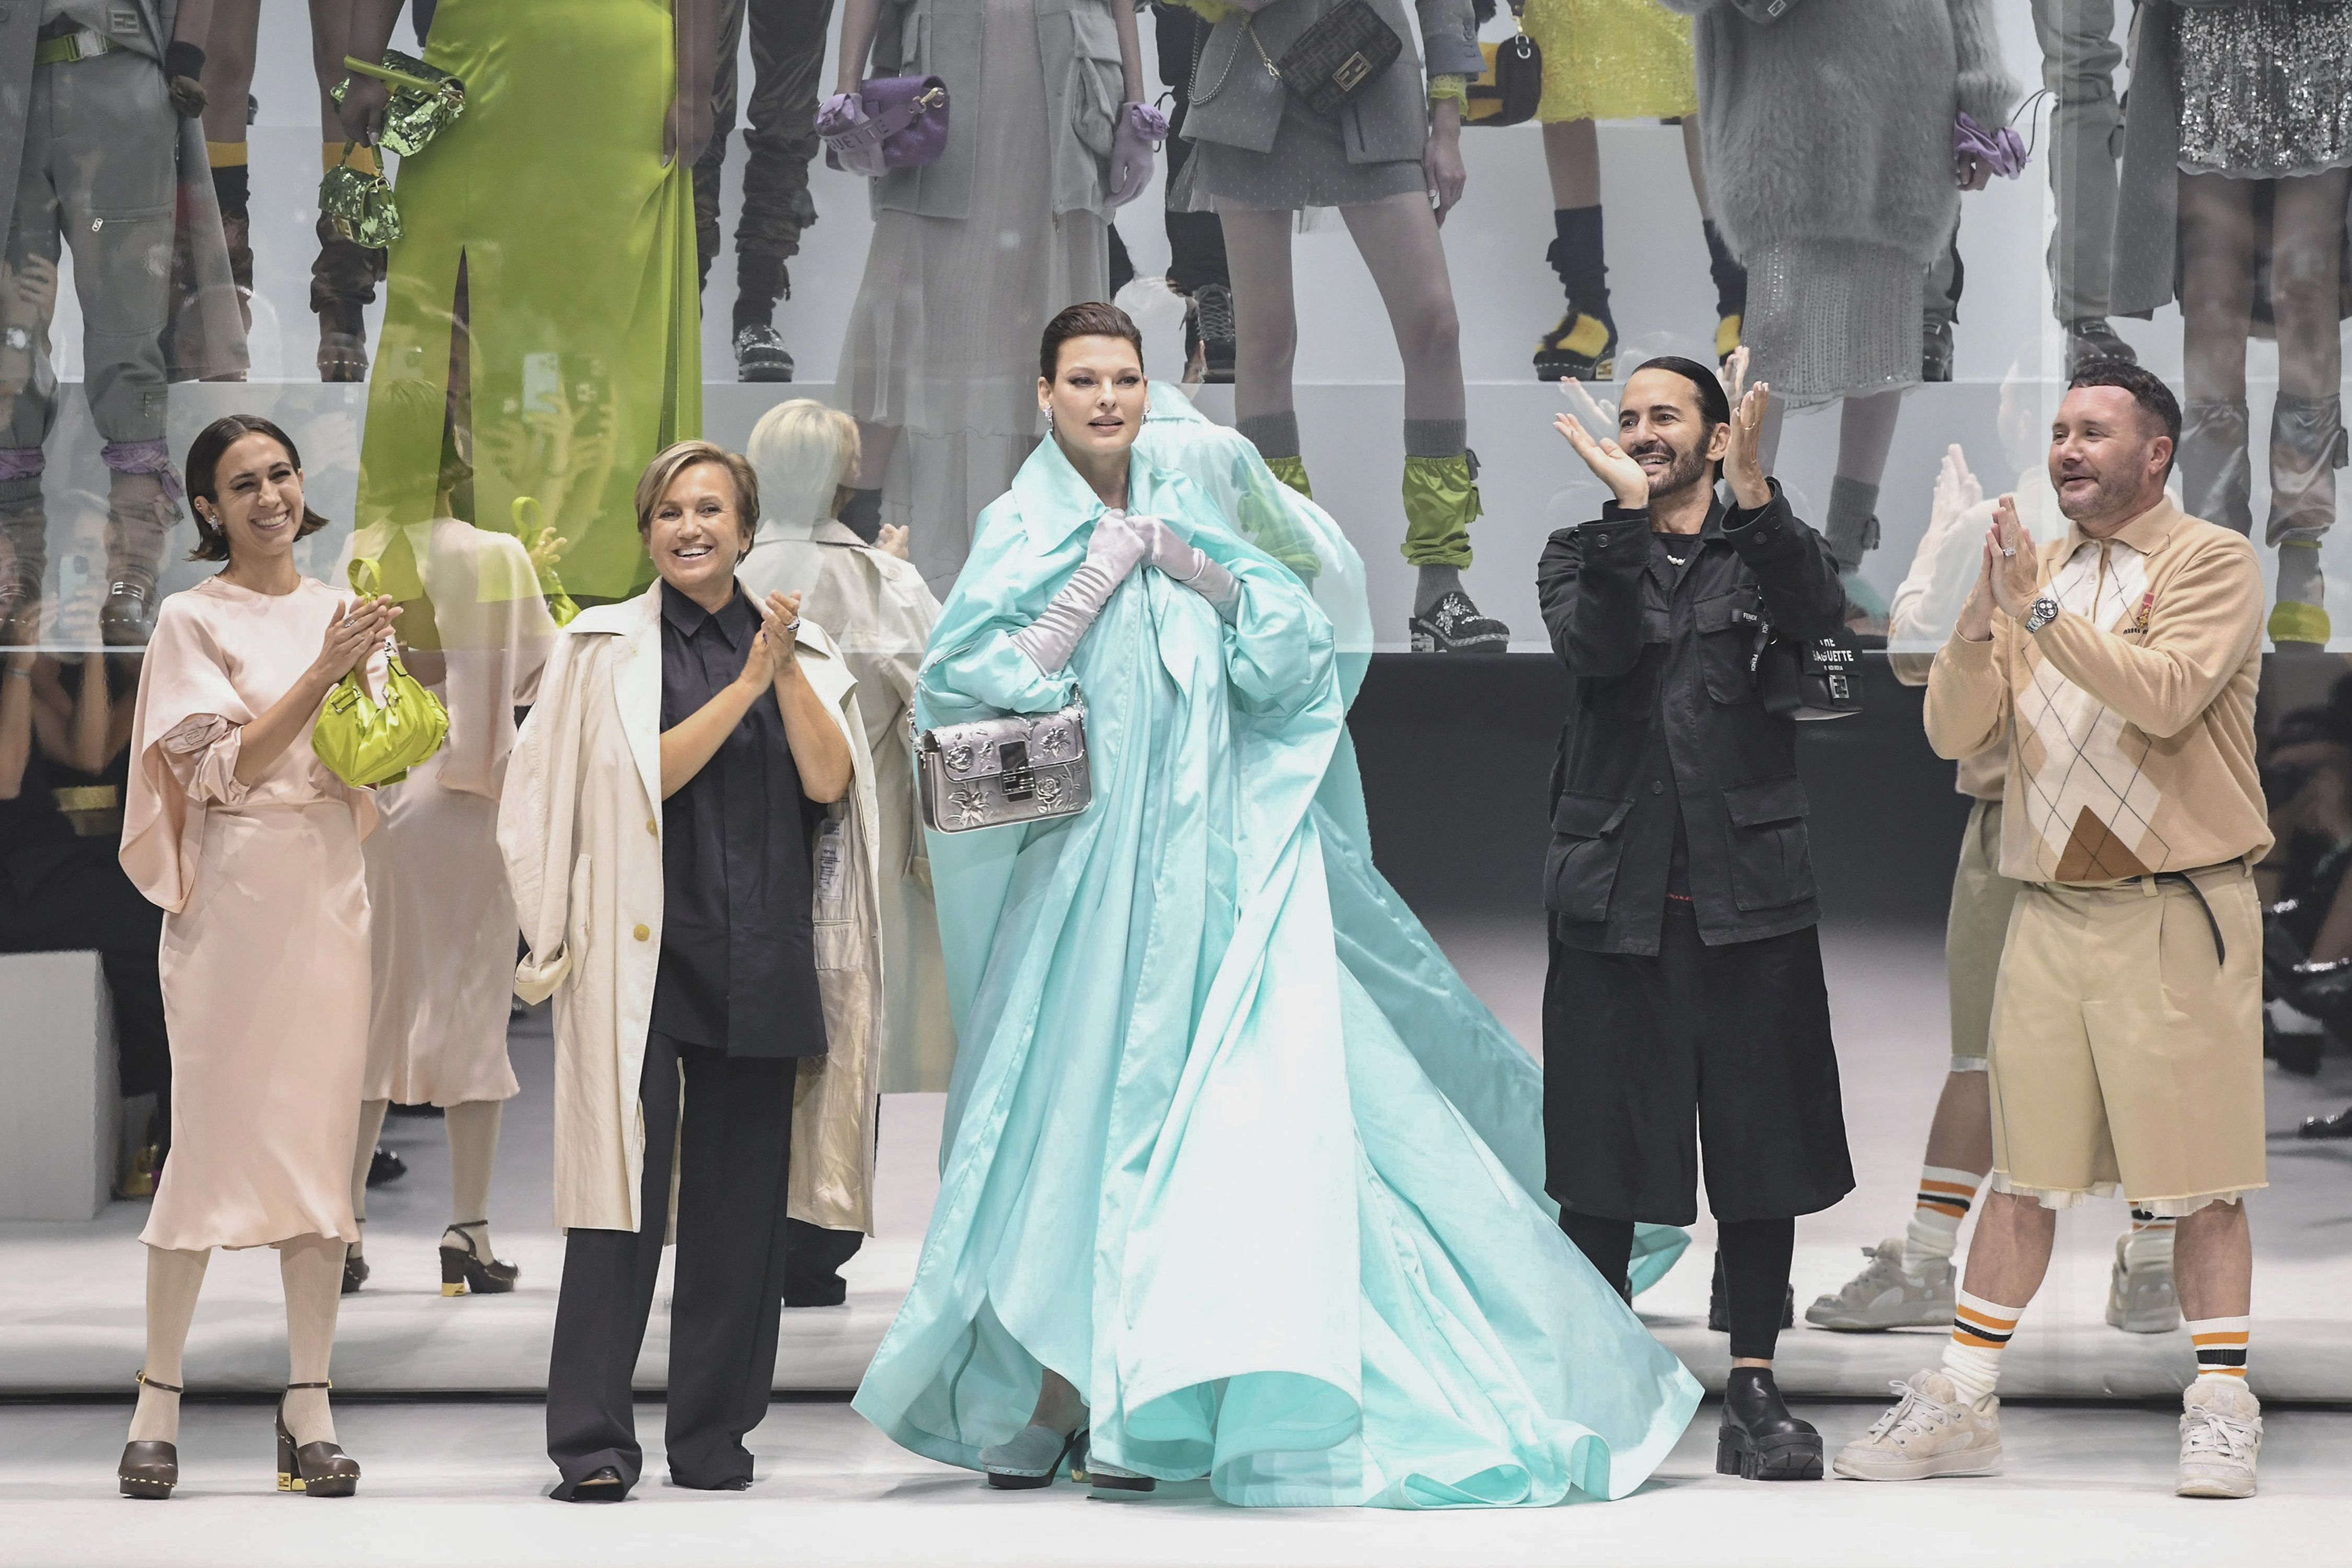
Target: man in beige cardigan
[{"x": 2119, "y": 664}]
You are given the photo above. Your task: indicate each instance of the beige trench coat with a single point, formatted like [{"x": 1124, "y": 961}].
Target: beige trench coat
[{"x": 580, "y": 830}]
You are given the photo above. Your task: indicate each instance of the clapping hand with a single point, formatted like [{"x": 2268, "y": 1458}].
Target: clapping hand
[
  {"x": 2012, "y": 568},
  {"x": 892, "y": 540},
  {"x": 546, "y": 550},
  {"x": 1601, "y": 454},
  {"x": 771, "y": 651},
  {"x": 354, "y": 637},
  {"x": 1957, "y": 489},
  {"x": 1743, "y": 462}
]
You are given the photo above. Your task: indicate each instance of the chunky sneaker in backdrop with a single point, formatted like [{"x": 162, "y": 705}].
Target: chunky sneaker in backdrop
[
  {"x": 760, "y": 354},
  {"x": 2140, "y": 1297},
  {"x": 1454, "y": 625},
  {"x": 1209, "y": 333},
  {"x": 1581, "y": 348},
  {"x": 1930, "y": 1431},
  {"x": 2221, "y": 1439},
  {"x": 1884, "y": 1295}
]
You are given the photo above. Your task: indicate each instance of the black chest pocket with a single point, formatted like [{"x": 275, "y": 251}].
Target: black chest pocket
[{"x": 1728, "y": 626}]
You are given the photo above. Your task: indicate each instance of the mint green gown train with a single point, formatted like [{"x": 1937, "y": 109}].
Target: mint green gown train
[{"x": 1230, "y": 1146}]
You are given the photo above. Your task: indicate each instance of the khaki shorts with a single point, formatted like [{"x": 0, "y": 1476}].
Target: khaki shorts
[
  {"x": 2124, "y": 1054},
  {"x": 1974, "y": 934}
]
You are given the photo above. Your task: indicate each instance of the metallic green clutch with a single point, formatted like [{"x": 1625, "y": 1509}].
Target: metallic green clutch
[
  {"x": 425, "y": 101},
  {"x": 358, "y": 203}
]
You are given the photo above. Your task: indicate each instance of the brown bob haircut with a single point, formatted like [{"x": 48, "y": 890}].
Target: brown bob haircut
[
  {"x": 673, "y": 460},
  {"x": 203, "y": 472},
  {"x": 1092, "y": 320}
]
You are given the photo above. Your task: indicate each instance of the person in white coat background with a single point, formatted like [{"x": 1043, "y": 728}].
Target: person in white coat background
[
  {"x": 880, "y": 612},
  {"x": 686, "y": 830},
  {"x": 476, "y": 631}
]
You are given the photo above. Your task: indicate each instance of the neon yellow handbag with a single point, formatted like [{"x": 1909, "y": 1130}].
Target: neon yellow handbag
[{"x": 363, "y": 741}]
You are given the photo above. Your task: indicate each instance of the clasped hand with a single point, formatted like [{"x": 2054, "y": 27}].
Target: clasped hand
[
  {"x": 2008, "y": 579},
  {"x": 1124, "y": 540},
  {"x": 353, "y": 637},
  {"x": 771, "y": 651}
]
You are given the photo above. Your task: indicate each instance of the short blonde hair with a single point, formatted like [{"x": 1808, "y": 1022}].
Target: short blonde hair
[
  {"x": 805, "y": 452},
  {"x": 673, "y": 460}
]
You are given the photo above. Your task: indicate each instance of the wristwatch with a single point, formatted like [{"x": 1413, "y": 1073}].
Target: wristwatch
[
  {"x": 18, "y": 339},
  {"x": 2041, "y": 613}
]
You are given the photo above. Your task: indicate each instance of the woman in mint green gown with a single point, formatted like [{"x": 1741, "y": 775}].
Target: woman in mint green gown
[{"x": 1230, "y": 1150}]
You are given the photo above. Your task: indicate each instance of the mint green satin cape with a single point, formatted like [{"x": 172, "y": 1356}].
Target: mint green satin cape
[{"x": 1230, "y": 1146}]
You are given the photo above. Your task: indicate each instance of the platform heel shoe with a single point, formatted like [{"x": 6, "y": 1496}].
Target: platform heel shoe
[
  {"x": 465, "y": 1271},
  {"x": 150, "y": 1467},
  {"x": 1759, "y": 1440},
  {"x": 1033, "y": 1459},
  {"x": 314, "y": 1469}
]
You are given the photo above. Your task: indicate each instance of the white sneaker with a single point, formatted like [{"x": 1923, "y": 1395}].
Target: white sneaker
[
  {"x": 1885, "y": 1295},
  {"x": 2140, "y": 1297},
  {"x": 2221, "y": 1439},
  {"x": 1931, "y": 1431}
]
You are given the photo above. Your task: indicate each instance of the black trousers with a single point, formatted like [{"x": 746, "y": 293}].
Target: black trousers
[
  {"x": 1649, "y": 1060},
  {"x": 1756, "y": 1254},
  {"x": 788, "y": 62},
  {"x": 734, "y": 1153}
]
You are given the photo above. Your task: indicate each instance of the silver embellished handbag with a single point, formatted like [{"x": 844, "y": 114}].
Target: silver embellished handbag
[{"x": 1023, "y": 767}]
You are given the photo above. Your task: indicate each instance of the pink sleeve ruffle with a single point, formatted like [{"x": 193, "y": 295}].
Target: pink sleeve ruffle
[{"x": 202, "y": 751}]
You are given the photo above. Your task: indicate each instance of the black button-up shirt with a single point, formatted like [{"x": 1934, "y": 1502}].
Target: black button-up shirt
[{"x": 737, "y": 969}]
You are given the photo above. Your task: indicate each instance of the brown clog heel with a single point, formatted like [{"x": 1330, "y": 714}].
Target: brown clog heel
[{"x": 314, "y": 1469}]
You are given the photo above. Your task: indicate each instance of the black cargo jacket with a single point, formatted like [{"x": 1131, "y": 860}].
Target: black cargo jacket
[{"x": 1666, "y": 716}]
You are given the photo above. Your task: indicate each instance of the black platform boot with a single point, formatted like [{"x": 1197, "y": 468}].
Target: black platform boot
[{"x": 1759, "y": 1440}]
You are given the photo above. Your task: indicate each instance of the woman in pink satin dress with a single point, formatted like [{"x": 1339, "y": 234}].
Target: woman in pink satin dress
[{"x": 252, "y": 848}]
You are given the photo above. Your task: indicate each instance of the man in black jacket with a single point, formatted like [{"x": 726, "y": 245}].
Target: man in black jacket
[{"x": 1685, "y": 981}]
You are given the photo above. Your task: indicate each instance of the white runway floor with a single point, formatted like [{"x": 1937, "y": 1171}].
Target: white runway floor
[
  {"x": 70, "y": 1296},
  {"x": 459, "y": 1484}
]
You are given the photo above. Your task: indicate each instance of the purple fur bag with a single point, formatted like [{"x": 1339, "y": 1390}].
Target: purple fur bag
[{"x": 892, "y": 122}]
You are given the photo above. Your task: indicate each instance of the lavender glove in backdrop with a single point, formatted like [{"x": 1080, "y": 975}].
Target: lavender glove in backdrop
[{"x": 1142, "y": 128}]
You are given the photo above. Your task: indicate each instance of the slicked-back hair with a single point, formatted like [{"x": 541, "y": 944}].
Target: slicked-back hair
[{"x": 1092, "y": 320}]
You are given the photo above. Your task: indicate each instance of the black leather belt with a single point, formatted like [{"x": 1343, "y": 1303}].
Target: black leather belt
[{"x": 2185, "y": 879}]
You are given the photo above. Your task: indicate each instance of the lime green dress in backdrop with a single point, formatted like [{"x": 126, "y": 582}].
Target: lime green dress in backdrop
[{"x": 577, "y": 243}]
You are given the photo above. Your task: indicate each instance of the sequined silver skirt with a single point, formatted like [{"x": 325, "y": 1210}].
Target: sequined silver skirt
[{"x": 2265, "y": 88}]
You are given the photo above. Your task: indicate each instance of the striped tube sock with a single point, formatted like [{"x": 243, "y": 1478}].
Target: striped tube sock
[
  {"x": 1980, "y": 1330},
  {"x": 2221, "y": 1346},
  {"x": 1945, "y": 1197}
]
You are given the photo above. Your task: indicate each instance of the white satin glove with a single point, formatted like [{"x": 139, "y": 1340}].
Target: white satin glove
[
  {"x": 1116, "y": 548},
  {"x": 1189, "y": 564}
]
